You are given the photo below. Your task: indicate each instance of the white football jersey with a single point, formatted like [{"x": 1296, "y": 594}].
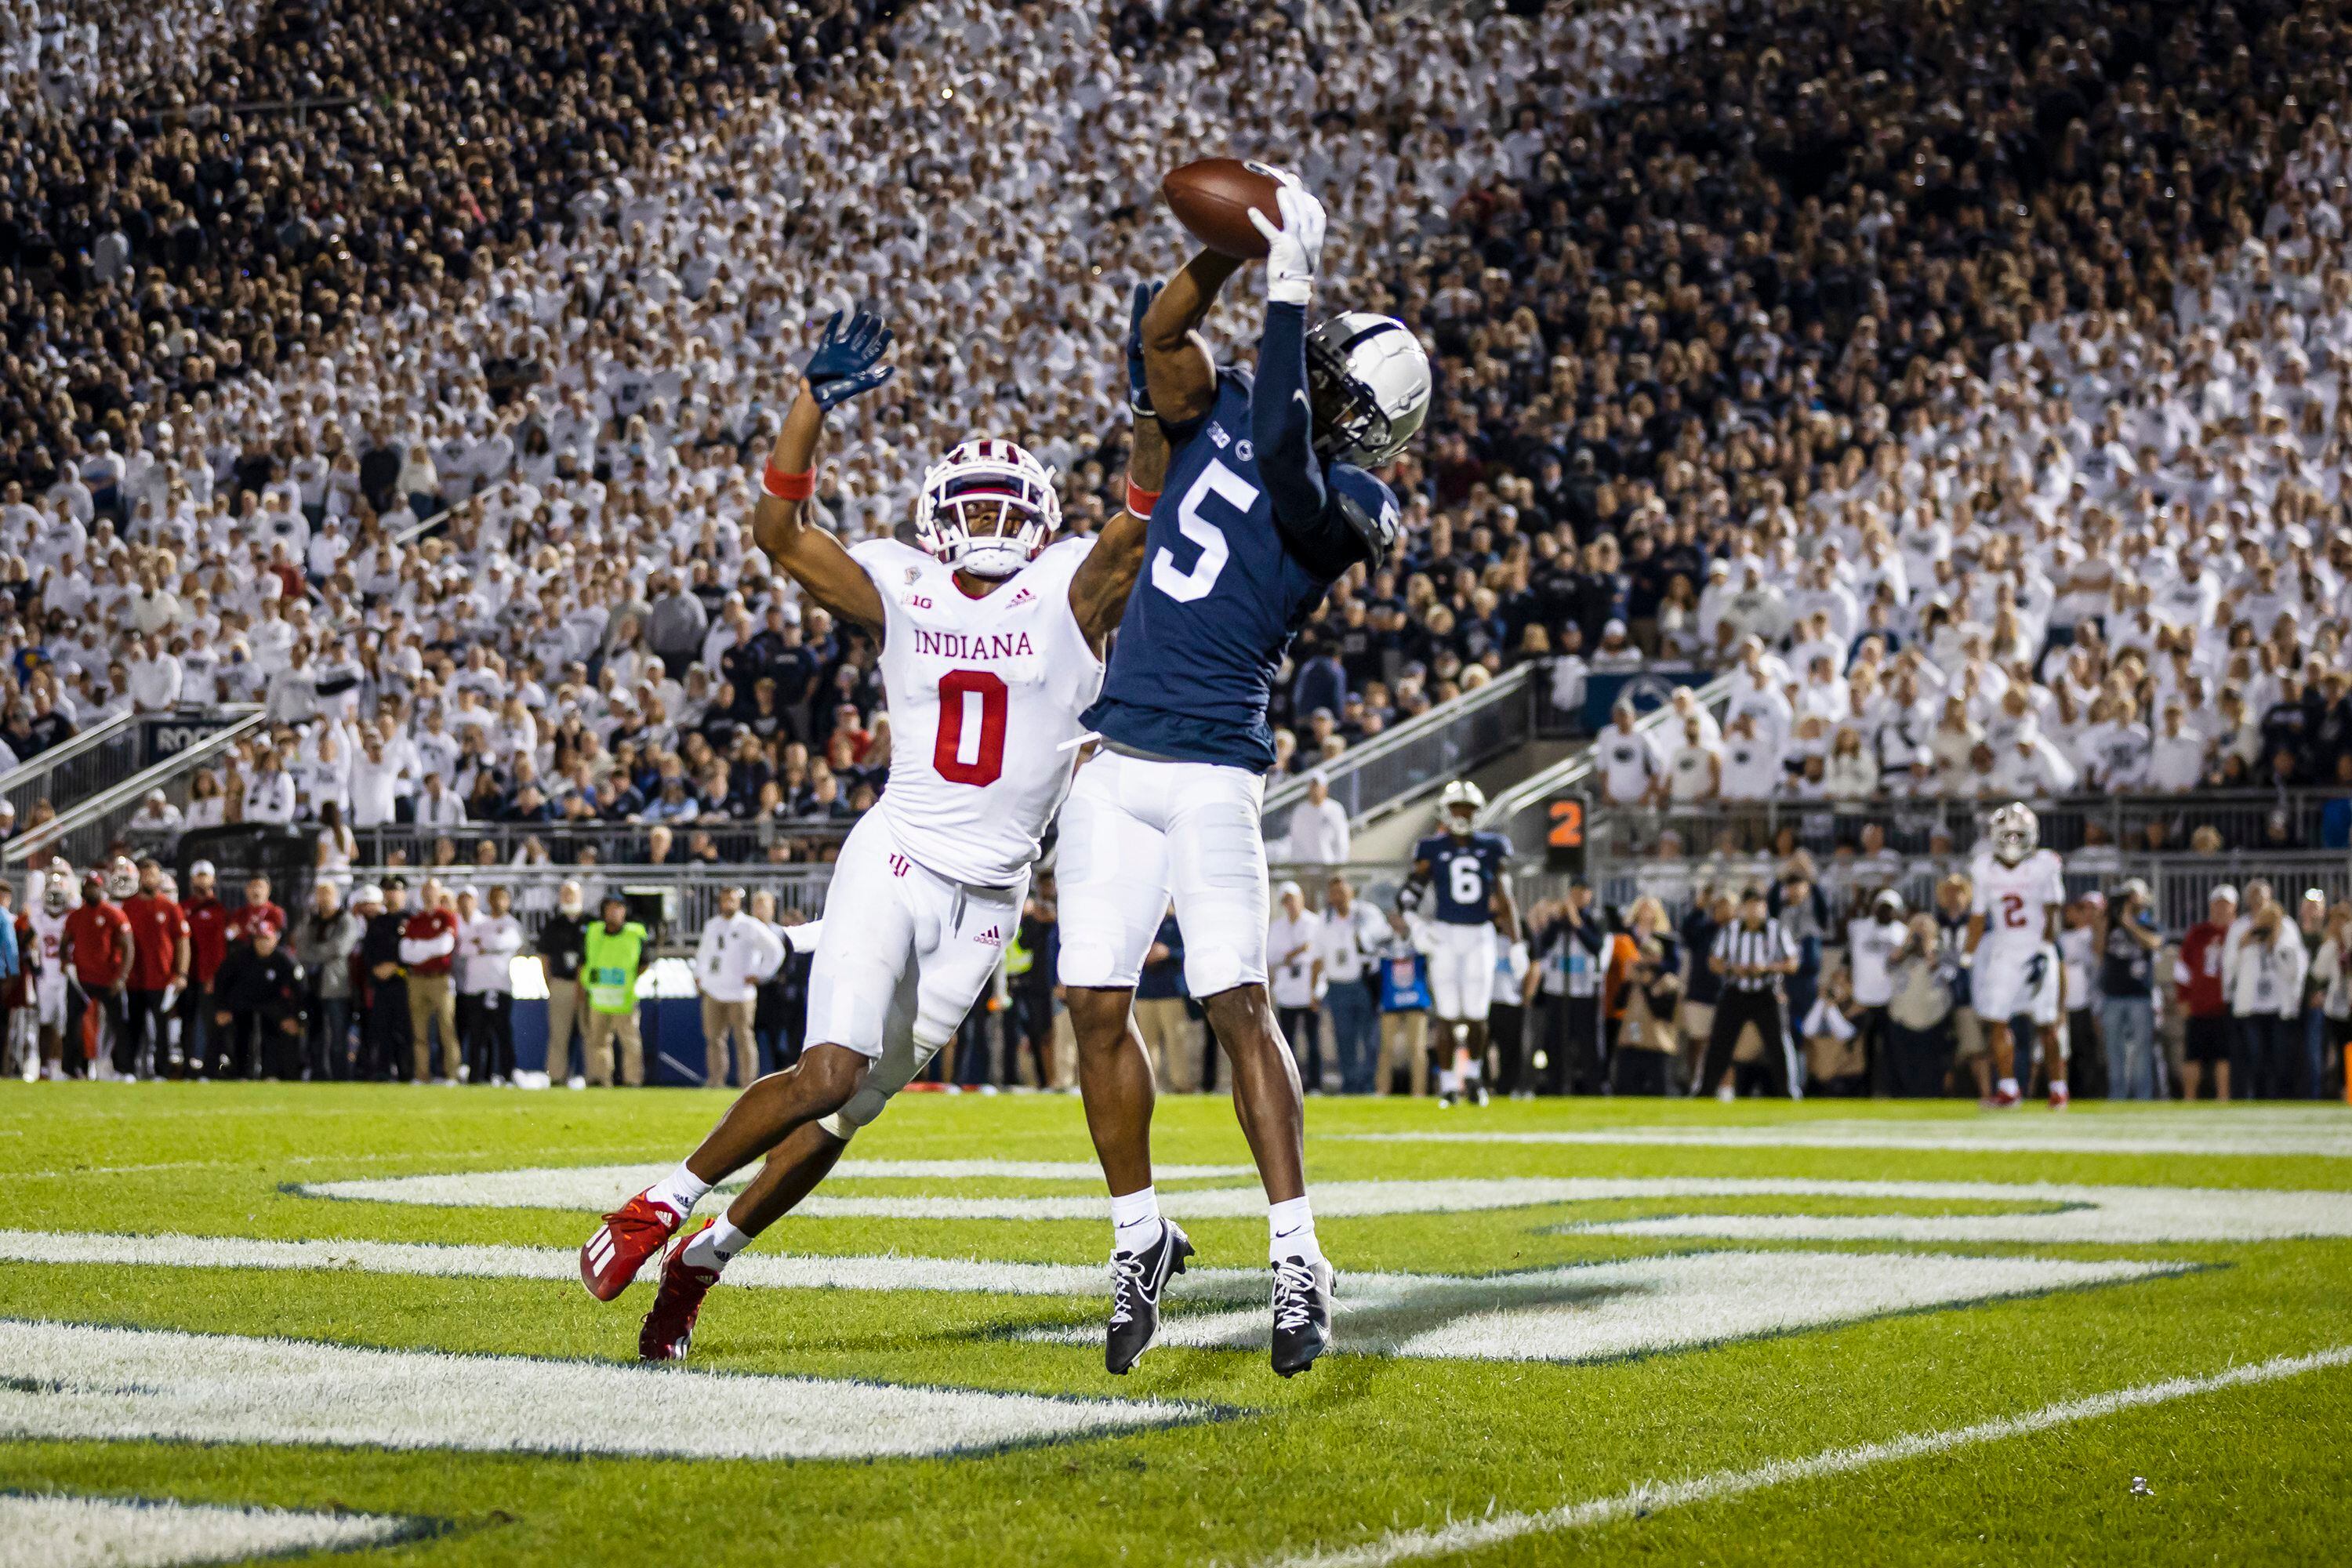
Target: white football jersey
[
  {"x": 2015, "y": 900},
  {"x": 49, "y": 940},
  {"x": 984, "y": 698}
]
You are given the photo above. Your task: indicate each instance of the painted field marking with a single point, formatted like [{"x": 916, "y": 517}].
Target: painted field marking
[
  {"x": 2074, "y": 1214},
  {"x": 48, "y": 1530},
  {"x": 1577, "y": 1312},
  {"x": 80, "y": 1382},
  {"x": 1644, "y": 1306},
  {"x": 1469, "y": 1535},
  {"x": 2328, "y": 1136},
  {"x": 602, "y": 1187}
]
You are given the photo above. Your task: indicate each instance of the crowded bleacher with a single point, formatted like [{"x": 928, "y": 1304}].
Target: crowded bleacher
[{"x": 1967, "y": 385}]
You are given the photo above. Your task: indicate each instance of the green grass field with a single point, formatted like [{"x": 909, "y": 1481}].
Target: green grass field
[{"x": 1750, "y": 1340}]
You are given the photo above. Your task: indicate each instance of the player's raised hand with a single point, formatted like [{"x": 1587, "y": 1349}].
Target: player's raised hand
[
  {"x": 847, "y": 359},
  {"x": 1139, "y": 390},
  {"x": 1292, "y": 248}
]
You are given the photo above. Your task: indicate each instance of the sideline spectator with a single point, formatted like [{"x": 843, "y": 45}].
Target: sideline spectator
[
  {"x": 2129, "y": 941},
  {"x": 159, "y": 973},
  {"x": 489, "y": 942},
  {"x": 1172, "y": 1038},
  {"x": 259, "y": 992},
  {"x": 1348, "y": 936},
  {"x": 612, "y": 957},
  {"x": 560, "y": 945},
  {"x": 1293, "y": 942},
  {"x": 326, "y": 940},
  {"x": 428, "y": 950},
  {"x": 735, "y": 953}
]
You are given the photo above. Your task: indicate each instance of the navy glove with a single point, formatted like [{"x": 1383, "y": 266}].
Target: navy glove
[
  {"x": 1139, "y": 390},
  {"x": 846, "y": 361}
]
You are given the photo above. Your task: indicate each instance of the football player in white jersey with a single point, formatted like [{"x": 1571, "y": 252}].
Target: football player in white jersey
[
  {"x": 47, "y": 962},
  {"x": 2013, "y": 922},
  {"x": 993, "y": 642}
]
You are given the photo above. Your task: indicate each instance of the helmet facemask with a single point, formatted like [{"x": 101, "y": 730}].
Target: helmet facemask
[
  {"x": 1368, "y": 380},
  {"x": 987, "y": 507}
]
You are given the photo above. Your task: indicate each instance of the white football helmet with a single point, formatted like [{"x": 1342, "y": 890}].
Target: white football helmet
[
  {"x": 1372, "y": 369},
  {"x": 2016, "y": 832},
  {"x": 57, "y": 887},
  {"x": 1458, "y": 807},
  {"x": 1001, "y": 488}
]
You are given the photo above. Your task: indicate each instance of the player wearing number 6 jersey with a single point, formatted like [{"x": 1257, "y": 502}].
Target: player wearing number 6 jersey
[
  {"x": 992, "y": 648},
  {"x": 1267, "y": 501}
]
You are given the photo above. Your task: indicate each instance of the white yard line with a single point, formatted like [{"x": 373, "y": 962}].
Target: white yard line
[
  {"x": 2074, "y": 1213},
  {"x": 1577, "y": 1312},
  {"x": 599, "y": 1188},
  {"x": 81, "y": 1383},
  {"x": 1470, "y": 1535},
  {"x": 58, "y": 1531},
  {"x": 2329, "y": 1137}
]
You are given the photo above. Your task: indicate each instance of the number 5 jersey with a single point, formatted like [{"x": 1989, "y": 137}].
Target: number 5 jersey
[{"x": 985, "y": 699}]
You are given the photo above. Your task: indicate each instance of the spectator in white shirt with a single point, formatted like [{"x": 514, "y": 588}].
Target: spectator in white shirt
[
  {"x": 1319, "y": 832},
  {"x": 735, "y": 953},
  {"x": 1293, "y": 938},
  {"x": 269, "y": 793}
]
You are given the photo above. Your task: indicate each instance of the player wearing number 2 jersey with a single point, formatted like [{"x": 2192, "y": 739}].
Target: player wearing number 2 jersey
[
  {"x": 1267, "y": 501},
  {"x": 2014, "y": 922},
  {"x": 992, "y": 648}
]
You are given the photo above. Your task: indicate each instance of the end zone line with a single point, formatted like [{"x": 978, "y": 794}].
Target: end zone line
[{"x": 1469, "y": 1535}]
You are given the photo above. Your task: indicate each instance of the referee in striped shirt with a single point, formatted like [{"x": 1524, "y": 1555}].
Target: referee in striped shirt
[{"x": 1751, "y": 954}]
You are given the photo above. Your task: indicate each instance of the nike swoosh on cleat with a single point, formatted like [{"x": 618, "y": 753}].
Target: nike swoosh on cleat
[{"x": 1294, "y": 1230}]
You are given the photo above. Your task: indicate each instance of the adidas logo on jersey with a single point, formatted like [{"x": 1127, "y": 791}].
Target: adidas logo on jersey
[
  {"x": 992, "y": 937},
  {"x": 1019, "y": 599}
]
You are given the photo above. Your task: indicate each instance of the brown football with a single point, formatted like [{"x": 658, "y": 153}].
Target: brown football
[{"x": 1213, "y": 199}]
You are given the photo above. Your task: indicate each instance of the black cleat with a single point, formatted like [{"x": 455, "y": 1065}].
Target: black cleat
[
  {"x": 1302, "y": 1313},
  {"x": 1137, "y": 1278}
]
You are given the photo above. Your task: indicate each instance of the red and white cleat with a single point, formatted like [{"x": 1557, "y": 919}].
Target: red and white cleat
[
  {"x": 630, "y": 1234},
  {"x": 2057, "y": 1097},
  {"x": 2002, "y": 1100},
  {"x": 677, "y": 1300}
]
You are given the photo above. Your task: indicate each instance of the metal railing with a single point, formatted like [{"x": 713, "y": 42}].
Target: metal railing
[
  {"x": 89, "y": 829},
  {"x": 1398, "y": 766},
  {"x": 689, "y": 894},
  {"x": 2181, "y": 885},
  {"x": 2136, "y": 824},
  {"x": 76, "y": 767},
  {"x": 592, "y": 843},
  {"x": 1572, "y": 772}
]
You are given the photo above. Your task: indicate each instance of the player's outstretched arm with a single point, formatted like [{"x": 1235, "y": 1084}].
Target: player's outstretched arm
[
  {"x": 1104, "y": 580},
  {"x": 847, "y": 363},
  {"x": 1182, "y": 372}
]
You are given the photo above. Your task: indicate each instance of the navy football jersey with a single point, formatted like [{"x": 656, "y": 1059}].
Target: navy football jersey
[
  {"x": 1463, "y": 875},
  {"x": 1219, "y": 597}
]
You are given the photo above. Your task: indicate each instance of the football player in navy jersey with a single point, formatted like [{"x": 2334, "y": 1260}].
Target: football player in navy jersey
[
  {"x": 1463, "y": 879},
  {"x": 1267, "y": 500}
]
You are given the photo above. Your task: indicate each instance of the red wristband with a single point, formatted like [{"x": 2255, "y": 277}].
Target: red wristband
[
  {"x": 788, "y": 486},
  {"x": 1140, "y": 501}
]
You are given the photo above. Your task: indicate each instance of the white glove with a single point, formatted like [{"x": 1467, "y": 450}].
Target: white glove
[{"x": 1291, "y": 249}]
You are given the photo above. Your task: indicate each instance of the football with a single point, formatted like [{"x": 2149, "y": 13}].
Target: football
[{"x": 1213, "y": 199}]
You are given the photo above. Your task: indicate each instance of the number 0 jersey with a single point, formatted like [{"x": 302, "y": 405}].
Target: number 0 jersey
[
  {"x": 2015, "y": 902},
  {"x": 985, "y": 696},
  {"x": 1220, "y": 595},
  {"x": 1462, "y": 876}
]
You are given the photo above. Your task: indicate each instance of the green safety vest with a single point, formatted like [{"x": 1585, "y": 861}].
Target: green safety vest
[
  {"x": 1018, "y": 960},
  {"x": 610, "y": 969}
]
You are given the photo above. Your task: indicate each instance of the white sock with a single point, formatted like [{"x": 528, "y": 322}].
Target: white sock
[
  {"x": 1448, "y": 1081},
  {"x": 1135, "y": 1223},
  {"x": 2006, "y": 1086},
  {"x": 714, "y": 1244},
  {"x": 1290, "y": 1232},
  {"x": 679, "y": 1191}
]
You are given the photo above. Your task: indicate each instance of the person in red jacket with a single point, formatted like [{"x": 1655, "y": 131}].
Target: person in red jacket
[
  {"x": 207, "y": 919},
  {"x": 98, "y": 951},
  {"x": 159, "y": 930},
  {"x": 256, "y": 910},
  {"x": 428, "y": 943},
  {"x": 2205, "y": 998}
]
